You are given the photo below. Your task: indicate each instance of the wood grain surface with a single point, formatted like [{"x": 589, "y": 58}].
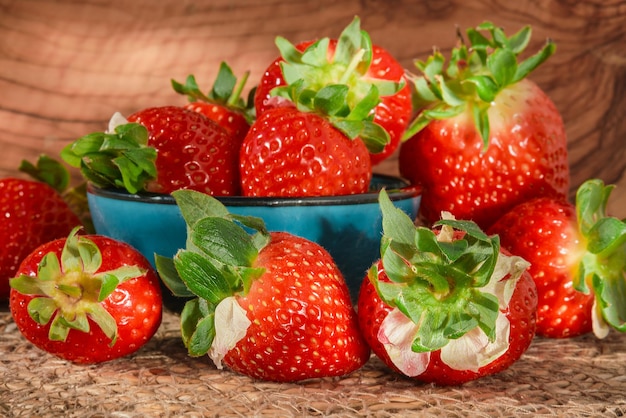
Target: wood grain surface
[{"x": 67, "y": 65}]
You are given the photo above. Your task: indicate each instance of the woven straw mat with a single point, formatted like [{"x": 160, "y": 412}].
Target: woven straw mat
[{"x": 579, "y": 377}]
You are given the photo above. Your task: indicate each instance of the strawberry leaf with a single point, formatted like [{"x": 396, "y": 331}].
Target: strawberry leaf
[
  {"x": 502, "y": 63},
  {"x": 105, "y": 321},
  {"x": 530, "y": 64},
  {"x": 197, "y": 326},
  {"x": 170, "y": 277},
  {"x": 49, "y": 171},
  {"x": 332, "y": 100},
  {"x": 606, "y": 236},
  {"x": 60, "y": 328},
  {"x": 195, "y": 206},
  {"x": 486, "y": 87},
  {"x": 42, "y": 309},
  {"x": 121, "y": 159},
  {"x": 223, "y": 240},
  {"x": 202, "y": 277},
  {"x": 611, "y": 299},
  {"x": 519, "y": 41},
  {"x": 225, "y": 90}
]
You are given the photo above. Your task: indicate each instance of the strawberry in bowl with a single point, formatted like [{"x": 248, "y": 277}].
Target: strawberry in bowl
[
  {"x": 159, "y": 150},
  {"x": 351, "y": 59},
  {"x": 304, "y": 165}
]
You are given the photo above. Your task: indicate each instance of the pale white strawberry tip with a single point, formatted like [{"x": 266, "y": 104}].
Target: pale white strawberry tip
[
  {"x": 473, "y": 350},
  {"x": 469, "y": 352},
  {"x": 397, "y": 333},
  {"x": 231, "y": 325},
  {"x": 599, "y": 326},
  {"x": 116, "y": 120}
]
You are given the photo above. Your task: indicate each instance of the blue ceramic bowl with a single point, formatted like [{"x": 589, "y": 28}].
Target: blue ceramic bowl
[{"x": 349, "y": 227}]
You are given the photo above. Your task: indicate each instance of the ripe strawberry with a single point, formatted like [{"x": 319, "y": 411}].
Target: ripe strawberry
[
  {"x": 223, "y": 104},
  {"x": 86, "y": 298},
  {"x": 272, "y": 306},
  {"x": 336, "y": 67},
  {"x": 445, "y": 306},
  {"x": 162, "y": 149},
  {"x": 32, "y": 213},
  {"x": 486, "y": 138},
  {"x": 289, "y": 153},
  {"x": 578, "y": 260}
]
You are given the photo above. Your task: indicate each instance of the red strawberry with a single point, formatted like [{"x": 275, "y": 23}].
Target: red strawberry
[
  {"x": 578, "y": 260},
  {"x": 223, "y": 104},
  {"x": 32, "y": 213},
  {"x": 445, "y": 306},
  {"x": 162, "y": 149},
  {"x": 272, "y": 306},
  {"x": 395, "y": 106},
  {"x": 290, "y": 153},
  {"x": 86, "y": 299},
  {"x": 486, "y": 138}
]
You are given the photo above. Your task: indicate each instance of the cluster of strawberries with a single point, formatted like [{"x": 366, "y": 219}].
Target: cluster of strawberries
[{"x": 497, "y": 256}]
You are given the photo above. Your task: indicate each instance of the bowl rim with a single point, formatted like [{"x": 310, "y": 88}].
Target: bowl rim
[{"x": 401, "y": 190}]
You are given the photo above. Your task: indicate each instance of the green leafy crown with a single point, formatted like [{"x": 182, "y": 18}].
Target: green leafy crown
[
  {"x": 69, "y": 291},
  {"x": 474, "y": 76},
  {"x": 437, "y": 283},
  {"x": 603, "y": 266},
  {"x": 216, "y": 263},
  {"x": 225, "y": 91},
  {"x": 339, "y": 89},
  {"x": 120, "y": 159}
]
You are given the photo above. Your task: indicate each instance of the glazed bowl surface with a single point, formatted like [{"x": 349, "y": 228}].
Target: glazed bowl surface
[{"x": 349, "y": 227}]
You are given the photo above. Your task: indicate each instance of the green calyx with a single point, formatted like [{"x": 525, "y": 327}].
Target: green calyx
[
  {"x": 217, "y": 263},
  {"x": 225, "y": 91},
  {"x": 603, "y": 265},
  {"x": 437, "y": 281},
  {"x": 338, "y": 89},
  {"x": 474, "y": 76},
  {"x": 48, "y": 170},
  {"x": 120, "y": 159},
  {"x": 69, "y": 291}
]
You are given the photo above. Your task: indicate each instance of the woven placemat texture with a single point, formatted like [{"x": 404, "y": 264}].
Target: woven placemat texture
[{"x": 581, "y": 377}]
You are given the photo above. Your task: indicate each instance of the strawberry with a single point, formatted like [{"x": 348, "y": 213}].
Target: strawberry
[
  {"x": 33, "y": 212},
  {"x": 317, "y": 138},
  {"x": 329, "y": 62},
  {"x": 445, "y": 306},
  {"x": 86, "y": 298},
  {"x": 486, "y": 138},
  {"x": 272, "y": 306},
  {"x": 289, "y": 153},
  {"x": 159, "y": 150},
  {"x": 223, "y": 104},
  {"x": 578, "y": 260}
]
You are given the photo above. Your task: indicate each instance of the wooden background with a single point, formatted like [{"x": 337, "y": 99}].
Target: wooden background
[{"x": 67, "y": 65}]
